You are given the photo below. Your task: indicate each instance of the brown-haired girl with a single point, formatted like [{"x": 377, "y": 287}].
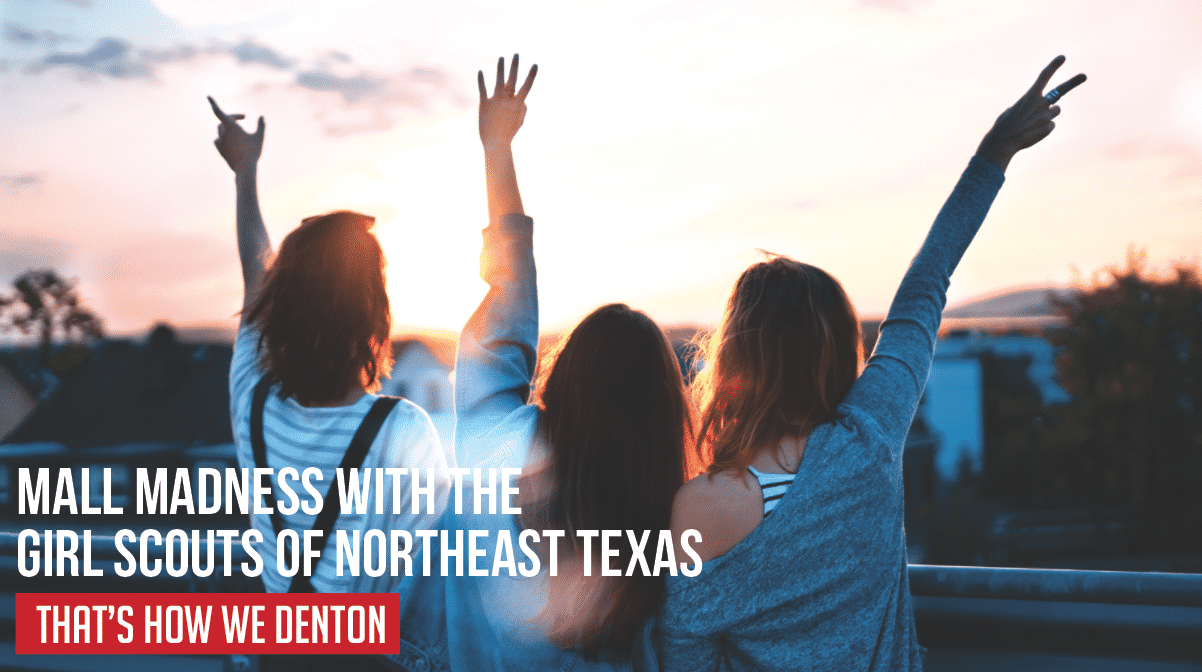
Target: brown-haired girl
[
  {"x": 801, "y": 511},
  {"x": 603, "y": 445},
  {"x": 312, "y": 346}
]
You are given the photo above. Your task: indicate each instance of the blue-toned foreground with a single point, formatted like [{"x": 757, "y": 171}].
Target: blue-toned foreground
[
  {"x": 982, "y": 618},
  {"x": 970, "y": 618}
]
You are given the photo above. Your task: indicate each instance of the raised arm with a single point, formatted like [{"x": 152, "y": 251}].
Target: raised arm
[
  {"x": 241, "y": 151},
  {"x": 500, "y": 118},
  {"x": 497, "y": 348},
  {"x": 893, "y": 381}
]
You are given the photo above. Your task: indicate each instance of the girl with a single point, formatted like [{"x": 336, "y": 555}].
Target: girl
[
  {"x": 602, "y": 444},
  {"x": 312, "y": 346},
  {"x": 801, "y": 511}
]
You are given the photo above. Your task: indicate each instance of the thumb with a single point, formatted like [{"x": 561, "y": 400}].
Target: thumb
[{"x": 262, "y": 127}]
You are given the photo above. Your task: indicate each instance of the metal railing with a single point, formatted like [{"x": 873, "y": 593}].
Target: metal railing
[
  {"x": 1133, "y": 620},
  {"x": 1057, "y": 585}
]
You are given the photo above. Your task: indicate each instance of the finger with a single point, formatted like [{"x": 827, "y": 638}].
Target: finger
[
  {"x": 1069, "y": 85},
  {"x": 262, "y": 128},
  {"x": 1053, "y": 112},
  {"x": 500, "y": 75},
  {"x": 237, "y": 117},
  {"x": 513, "y": 74},
  {"x": 483, "y": 89},
  {"x": 1046, "y": 76},
  {"x": 528, "y": 83},
  {"x": 217, "y": 110}
]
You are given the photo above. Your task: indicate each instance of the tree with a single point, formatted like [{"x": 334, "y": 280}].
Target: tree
[
  {"x": 48, "y": 305},
  {"x": 1132, "y": 358}
]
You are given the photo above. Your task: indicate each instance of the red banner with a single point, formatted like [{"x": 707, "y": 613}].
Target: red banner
[{"x": 207, "y": 623}]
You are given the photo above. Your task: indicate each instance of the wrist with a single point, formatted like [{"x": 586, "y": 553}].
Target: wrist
[
  {"x": 247, "y": 172},
  {"x": 994, "y": 153},
  {"x": 497, "y": 146}
]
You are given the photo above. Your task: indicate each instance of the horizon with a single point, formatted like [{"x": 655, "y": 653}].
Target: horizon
[{"x": 216, "y": 333}]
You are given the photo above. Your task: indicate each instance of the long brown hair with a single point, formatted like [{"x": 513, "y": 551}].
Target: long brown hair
[
  {"x": 617, "y": 425},
  {"x": 323, "y": 314},
  {"x": 784, "y": 355}
]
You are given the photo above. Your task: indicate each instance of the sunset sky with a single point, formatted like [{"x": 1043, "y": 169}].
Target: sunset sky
[{"x": 665, "y": 142}]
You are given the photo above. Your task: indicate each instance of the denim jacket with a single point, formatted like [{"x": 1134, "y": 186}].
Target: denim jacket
[{"x": 483, "y": 623}]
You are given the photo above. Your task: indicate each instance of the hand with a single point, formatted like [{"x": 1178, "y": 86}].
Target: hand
[
  {"x": 501, "y": 116},
  {"x": 240, "y": 149},
  {"x": 1028, "y": 121}
]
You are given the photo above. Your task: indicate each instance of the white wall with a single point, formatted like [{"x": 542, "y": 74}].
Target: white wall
[{"x": 953, "y": 409}]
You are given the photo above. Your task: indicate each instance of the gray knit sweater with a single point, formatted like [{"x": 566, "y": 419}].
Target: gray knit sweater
[{"x": 822, "y": 584}]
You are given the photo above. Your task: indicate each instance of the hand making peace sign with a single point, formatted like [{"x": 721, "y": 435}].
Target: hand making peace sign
[{"x": 1029, "y": 120}]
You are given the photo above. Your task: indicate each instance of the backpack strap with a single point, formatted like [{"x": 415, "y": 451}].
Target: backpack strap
[
  {"x": 259, "y": 447},
  {"x": 356, "y": 452}
]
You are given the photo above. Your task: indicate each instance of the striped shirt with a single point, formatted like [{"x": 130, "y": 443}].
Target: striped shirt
[
  {"x": 301, "y": 437},
  {"x": 774, "y": 486}
]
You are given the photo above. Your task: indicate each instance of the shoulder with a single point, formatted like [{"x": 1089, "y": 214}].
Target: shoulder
[
  {"x": 408, "y": 438},
  {"x": 483, "y": 440},
  {"x": 409, "y": 423},
  {"x": 724, "y": 507},
  {"x": 246, "y": 344},
  {"x": 245, "y": 368}
]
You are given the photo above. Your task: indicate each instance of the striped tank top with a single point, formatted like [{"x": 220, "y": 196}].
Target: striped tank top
[{"x": 774, "y": 487}]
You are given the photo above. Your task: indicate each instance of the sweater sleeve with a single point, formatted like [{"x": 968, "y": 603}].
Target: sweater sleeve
[
  {"x": 892, "y": 383},
  {"x": 498, "y": 346}
]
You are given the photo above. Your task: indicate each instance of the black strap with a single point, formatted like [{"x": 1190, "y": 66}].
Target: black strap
[{"x": 353, "y": 459}]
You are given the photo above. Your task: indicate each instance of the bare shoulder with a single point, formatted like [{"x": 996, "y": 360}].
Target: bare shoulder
[{"x": 724, "y": 507}]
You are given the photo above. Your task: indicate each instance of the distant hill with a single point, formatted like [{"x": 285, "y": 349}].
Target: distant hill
[
  {"x": 1030, "y": 302},
  {"x": 1029, "y": 311}
]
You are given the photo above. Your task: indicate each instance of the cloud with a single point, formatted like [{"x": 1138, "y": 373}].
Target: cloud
[
  {"x": 249, "y": 52},
  {"x": 15, "y": 184},
  {"x": 117, "y": 58},
  {"x": 15, "y": 33},
  {"x": 363, "y": 101},
  {"x": 109, "y": 56},
  {"x": 372, "y": 102},
  {"x": 352, "y": 89}
]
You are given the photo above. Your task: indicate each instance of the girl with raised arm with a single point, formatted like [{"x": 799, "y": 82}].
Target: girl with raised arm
[
  {"x": 603, "y": 445},
  {"x": 312, "y": 345},
  {"x": 801, "y": 511}
]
